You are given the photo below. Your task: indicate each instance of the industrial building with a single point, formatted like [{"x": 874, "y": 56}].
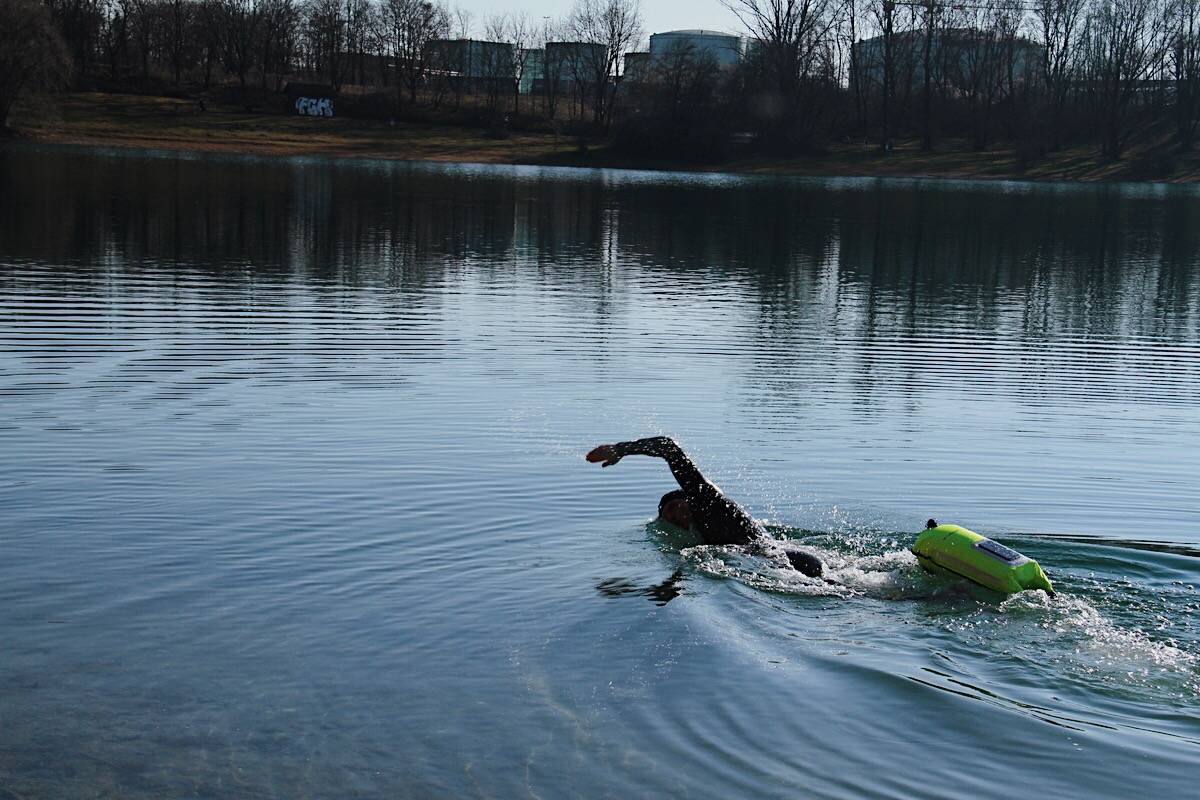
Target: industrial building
[
  {"x": 472, "y": 59},
  {"x": 574, "y": 61},
  {"x": 560, "y": 65},
  {"x": 955, "y": 55},
  {"x": 637, "y": 67},
  {"x": 533, "y": 70}
]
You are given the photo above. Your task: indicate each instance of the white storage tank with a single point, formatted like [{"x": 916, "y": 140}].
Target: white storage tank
[{"x": 724, "y": 48}]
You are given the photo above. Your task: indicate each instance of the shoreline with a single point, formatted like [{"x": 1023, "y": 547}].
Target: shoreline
[{"x": 157, "y": 123}]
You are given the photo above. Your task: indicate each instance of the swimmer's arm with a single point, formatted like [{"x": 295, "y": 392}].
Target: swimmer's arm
[
  {"x": 687, "y": 475},
  {"x": 720, "y": 520}
]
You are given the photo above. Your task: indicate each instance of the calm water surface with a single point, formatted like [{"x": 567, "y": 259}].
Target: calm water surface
[{"x": 293, "y": 499}]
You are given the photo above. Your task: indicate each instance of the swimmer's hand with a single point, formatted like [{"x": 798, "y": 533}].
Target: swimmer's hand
[{"x": 606, "y": 454}]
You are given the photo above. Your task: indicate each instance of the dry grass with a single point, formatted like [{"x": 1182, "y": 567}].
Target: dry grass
[
  {"x": 155, "y": 122},
  {"x": 1156, "y": 160}
]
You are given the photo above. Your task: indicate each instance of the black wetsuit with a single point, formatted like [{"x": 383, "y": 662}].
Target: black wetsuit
[{"x": 716, "y": 518}]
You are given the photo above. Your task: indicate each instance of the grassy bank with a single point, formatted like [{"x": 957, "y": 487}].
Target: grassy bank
[{"x": 156, "y": 122}]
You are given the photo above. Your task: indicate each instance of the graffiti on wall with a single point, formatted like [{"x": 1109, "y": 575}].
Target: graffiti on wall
[{"x": 314, "y": 107}]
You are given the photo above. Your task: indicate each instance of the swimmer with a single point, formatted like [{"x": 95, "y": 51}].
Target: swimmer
[{"x": 698, "y": 505}]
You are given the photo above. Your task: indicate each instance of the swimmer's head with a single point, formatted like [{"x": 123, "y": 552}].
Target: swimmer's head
[{"x": 674, "y": 508}]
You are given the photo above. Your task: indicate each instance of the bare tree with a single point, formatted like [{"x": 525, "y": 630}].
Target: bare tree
[
  {"x": 209, "y": 36},
  {"x": 1185, "y": 69},
  {"x": 409, "y": 26},
  {"x": 1007, "y": 22},
  {"x": 848, "y": 28},
  {"x": 610, "y": 29},
  {"x": 325, "y": 28},
  {"x": 792, "y": 39},
  {"x": 463, "y": 23},
  {"x": 521, "y": 33},
  {"x": 33, "y": 54},
  {"x": 554, "y": 65},
  {"x": 496, "y": 59},
  {"x": 885, "y": 14},
  {"x": 1060, "y": 23},
  {"x": 1124, "y": 43},
  {"x": 932, "y": 16},
  {"x": 114, "y": 38},
  {"x": 458, "y": 60},
  {"x": 139, "y": 13},
  {"x": 580, "y": 63},
  {"x": 677, "y": 107},
  {"x": 80, "y": 23},
  {"x": 981, "y": 74},
  {"x": 240, "y": 32},
  {"x": 179, "y": 25},
  {"x": 681, "y": 78},
  {"x": 278, "y": 31}
]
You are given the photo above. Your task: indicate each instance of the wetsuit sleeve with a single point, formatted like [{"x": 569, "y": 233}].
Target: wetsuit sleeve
[
  {"x": 687, "y": 475},
  {"x": 717, "y": 518}
]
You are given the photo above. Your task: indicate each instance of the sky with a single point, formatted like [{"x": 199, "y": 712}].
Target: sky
[{"x": 657, "y": 15}]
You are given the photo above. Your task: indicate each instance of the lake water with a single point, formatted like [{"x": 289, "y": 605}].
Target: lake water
[{"x": 294, "y": 503}]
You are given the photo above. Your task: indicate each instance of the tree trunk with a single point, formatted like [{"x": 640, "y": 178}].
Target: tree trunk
[
  {"x": 927, "y": 98},
  {"x": 1185, "y": 112},
  {"x": 208, "y": 65},
  {"x": 888, "y": 68}
]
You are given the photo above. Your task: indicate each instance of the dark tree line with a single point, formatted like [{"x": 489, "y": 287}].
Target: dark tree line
[
  {"x": 32, "y": 53},
  {"x": 1043, "y": 74},
  {"x": 262, "y": 44},
  {"x": 123, "y": 42}
]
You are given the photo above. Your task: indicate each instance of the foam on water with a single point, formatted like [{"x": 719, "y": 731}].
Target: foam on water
[
  {"x": 1070, "y": 633},
  {"x": 890, "y": 575},
  {"x": 759, "y": 571},
  {"x": 1080, "y": 640}
]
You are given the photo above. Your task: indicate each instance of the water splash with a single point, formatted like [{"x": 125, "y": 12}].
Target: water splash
[{"x": 1101, "y": 638}]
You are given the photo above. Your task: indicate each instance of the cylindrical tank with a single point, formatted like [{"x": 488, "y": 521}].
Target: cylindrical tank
[{"x": 724, "y": 48}]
